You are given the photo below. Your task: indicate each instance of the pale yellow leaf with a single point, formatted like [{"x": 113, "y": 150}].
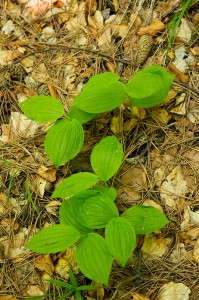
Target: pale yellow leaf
[{"x": 174, "y": 291}]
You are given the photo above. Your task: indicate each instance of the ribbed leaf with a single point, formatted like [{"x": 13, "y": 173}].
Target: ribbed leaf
[
  {"x": 103, "y": 92},
  {"x": 93, "y": 258},
  {"x": 80, "y": 115},
  {"x": 121, "y": 239},
  {"x": 106, "y": 157},
  {"x": 63, "y": 141},
  {"x": 68, "y": 211},
  {"x": 75, "y": 184},
  {"x": 108, "y": 192},
  {"x": 149, "y": 86},
  {"x": 54, "y": 239},
  {"x": 42, "y": 108},
  {"x": 97, "y": 211},
  {"x": 145, "y": 219}
]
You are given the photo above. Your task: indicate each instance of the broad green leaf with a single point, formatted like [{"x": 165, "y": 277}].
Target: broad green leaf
[
  {"x": 106, "y": 157},
  {"x": 97, "y": 211},
  {"x": 80, "y": 115},
  {"x": 54, "y": 239},
  {"x": 42, "y": 108},
  {"x": 121, "y": 239},
  {"x": 68, "y": 211},
  {"x": 109, "y": 192},
  {"x": 145, "y": 219},
  {"x": 103, "y": 92},
  {"x": 93, "y": 258},
  {"x": 75, "y": 184},
  {"x": 64, "y": 140},
  {"x": 149, "y": 86}
]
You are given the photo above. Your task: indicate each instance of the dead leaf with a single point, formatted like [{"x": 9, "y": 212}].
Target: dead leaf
[
  {"x": 174, "y": 291},
  {"x": 183, "y": 59},
  {"x": 44, "y": 263},
  {"x": 127, "y": 197},
  {"x": 99, "y": 292},
  {"x": 178, "y": 254},
  {"x": 161, "y": 115},
  {"x": 117, "y": 124},
  {"x": 47, "y": 173},
  {"x": 184, "y": 32},
  {"x": 196, "y": 252},
  {"x": 33, "y": 290},
  {"x": 152, "y": 29},
  {"x": 192, "y": 157},
  {"x": 135, "y": 177},
  {"x": 154, "y": 247},
  {"x": 52, "y": 207},
  {"x": 179, "y": 75},
  {"x": 137, "y": 296},
  {"x": 173, "y": 188},
  {"x": 66, "y": 262}
]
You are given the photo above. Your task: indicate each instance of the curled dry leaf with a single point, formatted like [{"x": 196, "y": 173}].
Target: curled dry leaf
[
  {"x": 52, "y": 207},
  {"x": 152, "y": 29},
  {"x": 44, "y": 263},
  {"x": 179, "y": 75},
  {"x": 196, "y": 252},
  {"x": 33, "y": 290},
  {"x": 135, "y": 177},
  {"x": 184, "y": 32},
  {"x": 136, "y": 296},
  {"x": 154, "y": 247},
  {"x": 174, "y": 291},
  {"x": 173, "y": 187},
  {"x": 66, "y": 262},
  {"x": 178, "y": 254},
  {"x": 47, "y": 173}
]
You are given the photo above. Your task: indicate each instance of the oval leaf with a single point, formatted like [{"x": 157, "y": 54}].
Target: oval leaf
[
  {"x": 63, "y": 141},
  {"x": 54, "y": 239},
  {"x": 80, "y": 115},
  {"x": 149, "y": 86},
  {"x": 121, "y": 239},
  {"x": 68, "y": 211},
  {"x": 75, "y": 184},
  {"x": 42, "y": 108},
  {"x": 145, "y": 219},
  {"x": 93, "y": 258},
  {"x": 97, "y": 211},
  {"x": 106, "y": 157},
  {"x": 103, "y": 92}
]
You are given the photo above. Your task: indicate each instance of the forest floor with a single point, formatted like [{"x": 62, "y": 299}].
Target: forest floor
[{"x": 53, "y": 49}]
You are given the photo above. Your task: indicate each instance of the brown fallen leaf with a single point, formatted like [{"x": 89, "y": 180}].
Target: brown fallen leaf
[
  {"x": 152, "y": 29},
  {"x": 179, "y": 75},
  {"x": 137, "y": 296},
  {"x": 44, "y": 263},
  {"x": 135, "y": 177},
  {"x": 173, "y": 188},
  {"x": 184, "y": 32},
  {"x": 174, "y": 291},
  {"x": 155, "y": 246},
  {"x": 47, "y": 173},
  {"x": 195, "y": 50}
]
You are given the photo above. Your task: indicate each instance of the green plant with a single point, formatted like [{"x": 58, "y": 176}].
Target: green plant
[
  {"x": 72, "y": 287},
  {"x": 88, "y": 209}
]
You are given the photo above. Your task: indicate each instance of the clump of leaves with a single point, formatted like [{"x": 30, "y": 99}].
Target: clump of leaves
[{"x": 89, "y": 208}]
